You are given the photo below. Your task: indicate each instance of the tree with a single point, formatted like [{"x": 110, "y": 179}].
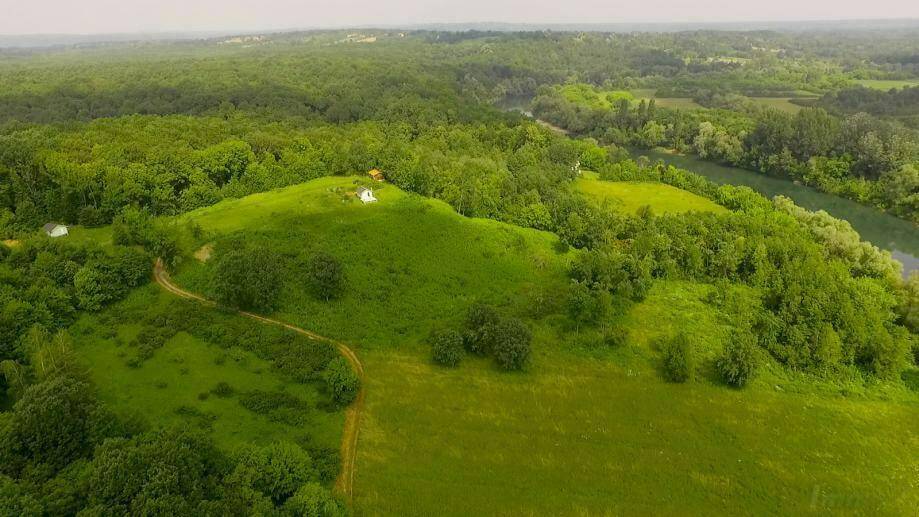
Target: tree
[
  {"x": 341, "y": 381},
  {"x": 312, "y": 500},
  {"x": 246, "y": 277},
  {"x": 326, "y": 275},
  {"x": 276, "y": 470},
  {"x": 54, "y": 423},
  {"x": 739, "y": 361},
  {"x": 447, "y": 347},
  {"x": 679, "y": 358},
  {"x": 510, "y": 343}
]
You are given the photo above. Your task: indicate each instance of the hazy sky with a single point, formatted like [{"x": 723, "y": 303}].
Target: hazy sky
[{"x": 108, "y": 16}]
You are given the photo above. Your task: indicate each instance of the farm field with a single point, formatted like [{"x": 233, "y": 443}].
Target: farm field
[
  {"x": 629, "y": 196},
  {"x": 779, "y": 103},
  {"x": 476, "y": 440},
  {"x": 887, "y": 84}
]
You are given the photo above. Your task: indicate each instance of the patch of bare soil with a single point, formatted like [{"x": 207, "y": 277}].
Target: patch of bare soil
[{"x": 204, "y": 253}]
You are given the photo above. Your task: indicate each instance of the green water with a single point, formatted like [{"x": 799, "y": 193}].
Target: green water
[{"x": 885, "y": 231}]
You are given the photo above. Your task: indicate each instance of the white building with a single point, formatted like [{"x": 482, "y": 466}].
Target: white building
[
  {"x": 55, "y": 230},
  {"x": 365, "y": 195}
]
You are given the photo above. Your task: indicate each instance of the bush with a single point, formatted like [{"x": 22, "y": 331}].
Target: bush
[
  {"x": 248, "y": 278},
  {"x": 480, "y": 320},
  {"x": 341, "y": 381},
  {"x": 326, "y": 275},
  {"x": 679, "y": 360},
  {"x": 511, "y": 343},
  {"x": 447, "y": 347},
  {"x": 312, "y": 500},
  {"x": 739, "y": 360},
  {"x": 223, "y": 390},
  {"x": 276, "y": 470}
]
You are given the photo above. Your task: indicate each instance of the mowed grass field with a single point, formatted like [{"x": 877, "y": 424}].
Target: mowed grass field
[
  {"x": 586, "y": 429},
  {"x": 887, "y": 84},
  {"x": 779, "y": 103},
  {"x": 629, "y": 196}
]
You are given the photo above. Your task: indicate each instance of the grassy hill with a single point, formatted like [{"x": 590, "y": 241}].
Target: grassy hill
[
  {"x": 586, "y": 428},
  {"x": 629, "y": 196}
]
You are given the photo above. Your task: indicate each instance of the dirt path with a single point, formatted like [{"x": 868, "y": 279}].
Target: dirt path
[{"x": 344, "y": 483}]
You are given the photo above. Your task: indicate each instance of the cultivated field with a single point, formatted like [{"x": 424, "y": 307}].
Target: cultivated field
[{"x": 887, "y": 84}]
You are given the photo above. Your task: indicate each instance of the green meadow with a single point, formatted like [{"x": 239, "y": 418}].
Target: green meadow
[
  {"x": 587, "y": 428},
  {"x": 629, "y": 196},
  {"x": 887, "y": 84},
  {"x": 177, "y": 385},
  {"x": 666, "y": 102},
  {"x": 592, "y": 97},
  {"x": 779, "y": 103}
]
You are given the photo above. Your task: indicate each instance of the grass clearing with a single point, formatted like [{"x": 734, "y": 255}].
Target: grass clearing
[
  {"x": 779, "y": 103},
  {"x": 629, "y": 196},
  {"x": 592, "y": 97},
  {"x": 174, "y": 387},
  {"x": 666, "y": 102},
  {"x": 887, "y": 84}
]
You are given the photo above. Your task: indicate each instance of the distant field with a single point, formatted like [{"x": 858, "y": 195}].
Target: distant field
[
  {"x": 629, "y": 196},
  {"x": 885, "y": 84},
  {"x": 779, "y": 103},
  {"x": 666, "y": 102}
]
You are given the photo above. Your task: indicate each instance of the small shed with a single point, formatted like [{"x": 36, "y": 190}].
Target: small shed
[
  {"x": 377, "y": 175},
  {"x": 366, "y": 195},
  {"x": 55, "y": 230}
]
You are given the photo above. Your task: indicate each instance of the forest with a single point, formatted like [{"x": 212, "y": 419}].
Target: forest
[{"x": 495, "y": 260}]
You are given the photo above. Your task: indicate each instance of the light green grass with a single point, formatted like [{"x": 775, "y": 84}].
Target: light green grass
[
  {"x": 629, "y": 196},
  {"x": 666, "y": 102},
  {"x": 604, "y": 435},
  {"x": 887, "y": 84},
  {"x": 186, "y": 367},
  {"x": 779, "y": 103},
  {"x": 411, "y": 263}
]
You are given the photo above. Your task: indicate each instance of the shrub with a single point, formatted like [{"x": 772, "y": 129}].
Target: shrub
[
  {"x": 511, "y": 343},
  {"x": 447, "y": 347},
  {"x": 480, "y": 319},
  {"x": 341, "y": 381},
  {"x": 739, "y": 361},
  {"x": 679, "y": 360},
  {"x": 616, "y": 337},
  {"x": 248, "y": 278},
  {"x": 312, "y": 500},
  {"x": 276, "y": 470},
  {"x": 223, "y": 390},
  {"x": 326, "y": 275}
]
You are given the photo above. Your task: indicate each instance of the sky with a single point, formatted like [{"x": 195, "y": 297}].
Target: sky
[{"x": 129, "y": 16}]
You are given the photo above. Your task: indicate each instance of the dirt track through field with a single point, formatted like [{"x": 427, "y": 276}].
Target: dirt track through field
[{"x": 344, "y": 483}]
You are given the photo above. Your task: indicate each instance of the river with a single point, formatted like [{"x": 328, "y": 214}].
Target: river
[{"x": 885, "y": 231}]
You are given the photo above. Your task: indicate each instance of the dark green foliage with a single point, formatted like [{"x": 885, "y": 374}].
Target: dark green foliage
[
  {"x": 277, "y": 405},
  {"x": 54, "y": 423},
  {"x": 341, "y": 382},
  {"x": 312, "y": 500},
  {"x": 480, "y": 320},
  {"x": 326, "y": 275},
  {"x": 740, "y": 359},
  {"x": 447, "y": 347},
  {"x": 161, "y": 471},
  {"x": 276, "y": 470},
  {"x": 679, "y": 361},
  {"x": 223, "y": 390},
  {"x": 245, "y": 277},
  {"x": 511, "y": 343}
]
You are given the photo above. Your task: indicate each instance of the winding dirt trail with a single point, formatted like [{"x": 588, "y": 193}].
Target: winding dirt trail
[{"x": 345, "y": 482}]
